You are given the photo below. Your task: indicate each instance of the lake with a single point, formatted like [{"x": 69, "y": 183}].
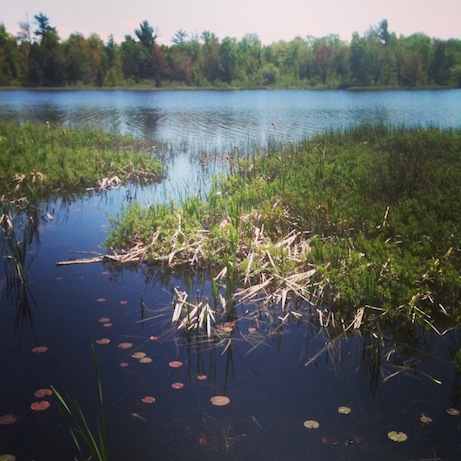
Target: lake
[{"x": 277, "y": 375}]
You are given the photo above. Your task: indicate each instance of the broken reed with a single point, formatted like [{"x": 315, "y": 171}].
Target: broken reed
[
  {"x": 39, "y": 159},
  {"x": 369, "y": 216}
]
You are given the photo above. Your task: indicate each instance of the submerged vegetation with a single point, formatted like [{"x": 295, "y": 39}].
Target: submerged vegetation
[
  {"x": 366, "y": 218},
  {"x": 39, "y": 160}
]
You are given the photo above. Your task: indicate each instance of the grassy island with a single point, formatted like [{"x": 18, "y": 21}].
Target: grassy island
[
  {"x": 39, "y": 160},
  {"x": 369, "y": 217}
]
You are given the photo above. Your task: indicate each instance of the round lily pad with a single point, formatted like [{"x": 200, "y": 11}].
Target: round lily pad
[
  {"x": 7, "y": 419},
  {"x": 7, "y": 457},
  {"x": 425, "y": 419},
  {"x": 148, "y": 399},
  {"x": 311, "y": 424},
  {"x": 177, "y": 385},
  {"x": 138, "y": 355},
  {"x": 397, "y": 436},
  {"x": 40, "y": 393},
  {"x": 39, "y": 349},
  {"x": 175, "y": 364},
  {"x": 220, "y": 400},
  {"x": 145, "y": 360},
  {"x": 40, "y": 406},
  {"x": 453, "y": 411},
  {"x": 103, "y": 341},
  {"x": 125, "y": 345},
  {"x": 344, "y": 410}
]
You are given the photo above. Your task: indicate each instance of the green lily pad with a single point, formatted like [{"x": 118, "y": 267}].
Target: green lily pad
[
  {"x": 344, "y": 410},
  {"x": 7, "y": 457},
  {"x": 397, "y": 436},
  {"x": 311, "y": 424}
]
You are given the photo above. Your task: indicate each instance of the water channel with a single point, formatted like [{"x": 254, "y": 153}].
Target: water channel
[{"x": 276, "y": 378}]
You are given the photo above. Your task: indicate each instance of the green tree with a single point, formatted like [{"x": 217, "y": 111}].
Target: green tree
[
  {"x": 45, "y": 58},
  {"x": 9, "y": 57},
  {"x": 228, "y": 57}
]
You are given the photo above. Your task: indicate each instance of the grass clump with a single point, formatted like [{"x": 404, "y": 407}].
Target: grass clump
[
  {"x": 36, "y": 160},
  {"x": 369, "y": 216}
]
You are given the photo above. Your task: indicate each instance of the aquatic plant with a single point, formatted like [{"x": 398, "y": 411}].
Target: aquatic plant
[
  {"x": 90, "y": 444},
  {"x": 37, "y": 160},
  {"x": 366, "y": 217}
]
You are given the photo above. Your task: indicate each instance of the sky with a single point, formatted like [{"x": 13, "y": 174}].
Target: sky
[{"x": 271, "y": 20}]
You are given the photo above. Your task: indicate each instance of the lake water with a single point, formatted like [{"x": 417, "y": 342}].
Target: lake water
[{"x": 276, "y": 377}]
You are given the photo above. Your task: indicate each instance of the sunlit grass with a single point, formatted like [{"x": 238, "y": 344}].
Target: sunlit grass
[
  {"x": 36, "y": 160},
  {"x": 370, "y": 216}
]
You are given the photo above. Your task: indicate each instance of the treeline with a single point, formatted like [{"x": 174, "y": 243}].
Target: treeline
[{"x": 37, "y": 57}]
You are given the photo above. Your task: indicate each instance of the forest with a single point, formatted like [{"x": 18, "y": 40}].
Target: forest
[{"x": 37, "y": 57}]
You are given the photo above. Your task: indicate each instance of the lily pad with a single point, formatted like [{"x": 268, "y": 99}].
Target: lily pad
[
  {"x": 344, "y": 410},
  {"x": 145, "y": 360},
  {"x": 40, "y": 393},
  {"x": 148, "y": 399},
  {"x": 103, "y": 341},
  {"x": 7, "y": 419},
  {"x": 397, "y": 436},
  {"x": 425, "y": 419},
  {"x": 220, "y": 400},
  {"x": 311, "y": 424},
  {"x": 453, "y": 411},
  {"x": 175, "y": 364},
  {"x": 104, "y": 320},
  {"x": 138, "y": 355},
  {"x": 125, "y": 345},
  {"x": 201, "y": 377},
  {"x": 40, "y": 406},
  {"x": 177, "y": 385},
  {"x": 7, "y": 457},
  {"x": 40, "y": 349}
]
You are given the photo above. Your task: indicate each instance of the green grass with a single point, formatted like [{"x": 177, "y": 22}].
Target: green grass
[
  {"x": 373, "y": 211},
  {"x": 37, "y": 160}
]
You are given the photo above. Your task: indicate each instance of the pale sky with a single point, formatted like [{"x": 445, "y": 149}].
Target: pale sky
[{"x": 272, "y": 20}]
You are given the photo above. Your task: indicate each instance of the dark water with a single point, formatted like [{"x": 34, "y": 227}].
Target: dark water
[{"x": 388, "y": 382}]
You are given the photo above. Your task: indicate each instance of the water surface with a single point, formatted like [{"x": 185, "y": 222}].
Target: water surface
[{"x": 388, "y": 383}]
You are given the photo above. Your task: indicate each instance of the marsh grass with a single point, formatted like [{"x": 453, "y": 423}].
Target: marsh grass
[
  {"x": 37, "y": 160},
  {"x": 90, "y": 443},
  {"x": 369, "y": 216}
]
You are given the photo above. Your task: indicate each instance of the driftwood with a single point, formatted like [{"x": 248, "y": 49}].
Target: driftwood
[{"x": 130, "y": 257}]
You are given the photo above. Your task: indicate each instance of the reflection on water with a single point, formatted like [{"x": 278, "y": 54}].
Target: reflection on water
[
  {"x": 277, "y": 373},
  {"x": 211, "y": 120}
]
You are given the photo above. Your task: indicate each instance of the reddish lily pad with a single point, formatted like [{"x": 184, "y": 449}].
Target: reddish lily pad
[
  {"x": 7, "y": 419},
  {"x": 148, "y": 399},
  {"x": 220, "y": 400},
  {"x": 40, "y": 349},
  {"x": 125, "y": 345},
  {"x": 177, "y": 385},
  {"x": 103, "y": 341},
  {"x": 201, "y": 377},
  {"x": 145, "y": 360},
  {"x": 453, "y": 411},
  {"x": 40, "y": 393},
  {"x": 175, "y": 364},
  {"x": 101, "y": 300},
  {"x": 104, "y": 320},
  {"x": 40, "y": 406}
]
